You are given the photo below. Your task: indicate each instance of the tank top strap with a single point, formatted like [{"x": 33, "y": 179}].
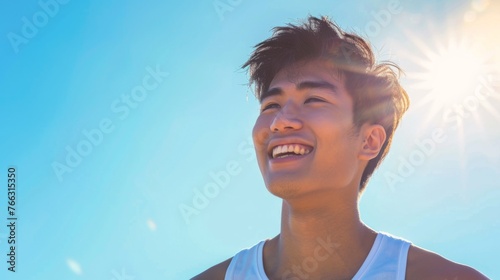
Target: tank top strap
[
  {"x": 247, "y": 264},
  {"x": 386, "y": 259}
]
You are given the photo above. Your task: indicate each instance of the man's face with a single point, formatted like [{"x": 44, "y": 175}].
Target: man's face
[{"x": 304, "y": 137}]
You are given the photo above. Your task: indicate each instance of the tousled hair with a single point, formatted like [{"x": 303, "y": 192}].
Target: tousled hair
[{"x": 378, "y": 97}]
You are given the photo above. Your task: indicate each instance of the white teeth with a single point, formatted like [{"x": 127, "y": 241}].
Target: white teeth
[{"x": 278, "y": 151}]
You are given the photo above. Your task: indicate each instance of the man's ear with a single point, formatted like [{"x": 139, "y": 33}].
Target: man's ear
[{"x": 373, "y": 137}]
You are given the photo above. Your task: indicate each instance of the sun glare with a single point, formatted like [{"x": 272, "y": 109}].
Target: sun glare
[
  {"x": 453, "y": 86},
  {"x": 449, "y": 75},
  {"x": 452, "y": 74}
]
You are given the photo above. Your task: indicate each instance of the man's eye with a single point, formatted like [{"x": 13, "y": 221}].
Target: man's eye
[
  {"x": 271, "y": 105},
  {"x": 314, "y": 99}
]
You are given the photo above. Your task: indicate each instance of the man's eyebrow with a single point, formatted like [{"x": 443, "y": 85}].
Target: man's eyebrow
[
  {"x": 271, "y": 92},
  {"x": 301, "y": 86},
  {"x": 317, "y": 84}
]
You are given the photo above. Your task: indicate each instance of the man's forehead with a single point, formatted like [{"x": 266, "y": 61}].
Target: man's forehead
[{"x": 309, "y": 70}]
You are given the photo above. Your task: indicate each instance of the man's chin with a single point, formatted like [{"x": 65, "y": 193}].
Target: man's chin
[{"x": 285, "y": 189}]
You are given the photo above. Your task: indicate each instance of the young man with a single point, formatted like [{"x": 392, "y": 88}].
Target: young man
[{"x": 328, "y": 115}]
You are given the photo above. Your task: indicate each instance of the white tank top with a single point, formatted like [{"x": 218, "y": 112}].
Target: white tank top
[{"x": 386, "y": 260}]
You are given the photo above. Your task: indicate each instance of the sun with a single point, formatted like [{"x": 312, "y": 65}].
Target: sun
[
  {"x": 452, "y": 73},
  {"x": 448, "y": 75}
]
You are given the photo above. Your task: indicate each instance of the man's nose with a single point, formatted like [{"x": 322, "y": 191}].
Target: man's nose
[{"x": 287, "y": 118}]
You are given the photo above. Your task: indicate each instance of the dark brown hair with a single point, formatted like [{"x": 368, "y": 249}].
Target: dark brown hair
[{"x": 378, "y": 97}]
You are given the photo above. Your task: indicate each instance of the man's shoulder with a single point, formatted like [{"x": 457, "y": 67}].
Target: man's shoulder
[
  {"x": 424, "y": 264},
  {"x": 216, "y": 272}
]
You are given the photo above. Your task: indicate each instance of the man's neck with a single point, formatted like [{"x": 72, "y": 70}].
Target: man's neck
[{"x": 321, "y": 239}]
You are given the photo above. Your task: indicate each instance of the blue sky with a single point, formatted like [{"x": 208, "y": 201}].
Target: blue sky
[{"x": 118, "y": 116}]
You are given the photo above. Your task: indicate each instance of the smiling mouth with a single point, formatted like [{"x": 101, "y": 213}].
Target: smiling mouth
[{"x": 282, "y": 151}]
